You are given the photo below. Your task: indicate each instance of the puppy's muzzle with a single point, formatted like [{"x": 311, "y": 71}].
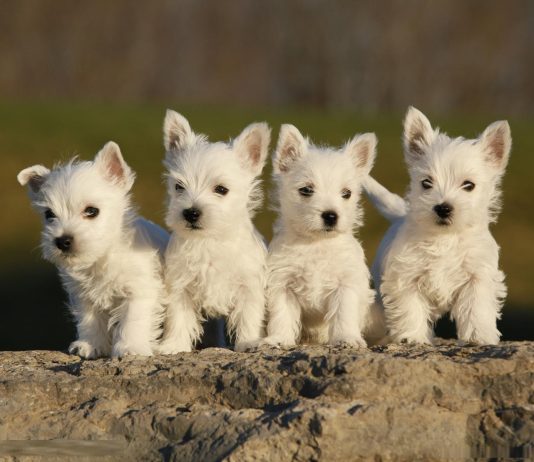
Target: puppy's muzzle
[
  {"x": 443, "y": 210},
  {"x": 64, "y": 243},
  {"x": 329, "y": 218},
  {"x": 192, "y": 215}
]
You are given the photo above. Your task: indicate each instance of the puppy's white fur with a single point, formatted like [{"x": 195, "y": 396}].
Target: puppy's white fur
[
  {"x": 318, "y": 283},
  {"x": 426, "y": 265},
  {"x": 112, "y": 272},
  {"x": 215, "y": 266}
]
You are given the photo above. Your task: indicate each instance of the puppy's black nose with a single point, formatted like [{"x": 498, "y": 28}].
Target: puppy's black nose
[
  {"x": 192, "y": 215},
  {"x": 443, "y": 210},
  {"x": 64, "y": 243},
  {"x": 329, "y": 218}
]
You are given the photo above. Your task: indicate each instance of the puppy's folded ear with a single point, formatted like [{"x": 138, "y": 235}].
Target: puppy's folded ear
[
  {"x": 291, "y": 147},
  {"x": 496, "y": 142},
  {"x": 177, "y": 133},
  {"x": 418, "y": 134},
  {"x": 112, "y": 165},
  {"x": 33, "y": 176},
  {"x": 252, "y": 147},
  {"x": 362, "y": 149}
]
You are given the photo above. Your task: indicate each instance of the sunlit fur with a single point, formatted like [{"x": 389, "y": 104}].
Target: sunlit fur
[
  {"x": 427, "y": 266},
  {"x": 113, "y": 274},
  {"x": 216, "y": 267},
  {"x": 318, "y": 283}
]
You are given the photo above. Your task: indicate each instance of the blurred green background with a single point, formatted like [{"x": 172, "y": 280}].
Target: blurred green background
[{"x": 76, "y": 74}]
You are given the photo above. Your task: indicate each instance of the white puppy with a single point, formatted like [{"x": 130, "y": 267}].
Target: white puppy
[
  {"x": 439, "y": 255},
  {"x": 107, "y": 257},
  {"x": 318, "y": 284},
  {"x": 215, "y": 262}
]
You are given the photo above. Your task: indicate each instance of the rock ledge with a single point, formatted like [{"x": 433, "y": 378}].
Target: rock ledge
[{"x": 399, "y": 402}]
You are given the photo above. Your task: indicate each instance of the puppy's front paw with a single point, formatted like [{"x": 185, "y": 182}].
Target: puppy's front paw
[
  {"x": 85, "y": 350},
  {"x": 248, "y": 345},
  {"x": 481, "y": 339},
  {"x": 410, "y": 340},
  {"x": 273, "y": 341},
  {"x": 168, "y": 347},
  {"x": 121, "y": 349},
  {"x": 353, "y": 342}
]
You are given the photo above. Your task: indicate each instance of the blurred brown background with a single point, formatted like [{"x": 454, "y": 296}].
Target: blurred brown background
[
  {"x": 472, "y": 55},
  {"x": 75, "y": 74}
]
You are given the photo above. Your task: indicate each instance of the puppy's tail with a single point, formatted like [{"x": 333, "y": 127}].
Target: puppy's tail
[{"x": 390, "y": 205}]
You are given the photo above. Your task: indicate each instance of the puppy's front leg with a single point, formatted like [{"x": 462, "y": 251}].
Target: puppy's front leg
[
  {"x": 284, "y": 313},
  {"x": 92, "y": 327},
  {"x": 182, "y": 325},
  {"x": 477, "y": 309},
  {"x": 133, "y": 332},
  {"x": 346, "y": 314},
  {"x": 407, "y": 315},
  {"x": 246, "y": 319}
]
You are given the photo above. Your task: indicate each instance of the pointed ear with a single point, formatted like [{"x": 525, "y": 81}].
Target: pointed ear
[
  {"x": 177, "y": 132},
  {"x": 112, "y": 165},
  {"x": 496, "y": 142},
  {"x": 33, "y": 176},
  {"x": 252, "y": 147},
  {"x": 291, "y": 147},
  {"x": 362, "y": 150},
  {"x": 418, "y": 134}
]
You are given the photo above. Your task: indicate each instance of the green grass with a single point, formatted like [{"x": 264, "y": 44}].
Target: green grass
[{"x": 46, "y": 133}]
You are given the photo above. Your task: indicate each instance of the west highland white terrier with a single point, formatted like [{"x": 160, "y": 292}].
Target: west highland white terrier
[
  {"x": 439, "y": 255},
  {"x": 318, "y": 285},
  {"x": 109, "y": 259},
  {"x": 215, "y": 261}
]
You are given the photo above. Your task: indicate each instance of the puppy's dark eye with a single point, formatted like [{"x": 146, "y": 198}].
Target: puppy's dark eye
[
  {"x": 346, "y": 193},
  {"x": 426, "y": 184},
  {"x": 179, "y": 187},
  {"x": 91, "y": 212},
  {"x": 49, "y": 215},
  {"x": 468, "y": 185},
  {"x": 306, "y": 191},
  {"x": 220, "y": 189}
]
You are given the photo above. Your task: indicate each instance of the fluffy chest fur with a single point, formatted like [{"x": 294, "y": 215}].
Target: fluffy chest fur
[
  {"x": 107, "y": 285},
  {"x": 214, "y": 272},
  {"x": 97, "y": 288},
  {"x": 437, "y": 266},
  {"x": 314, "y": 270}
]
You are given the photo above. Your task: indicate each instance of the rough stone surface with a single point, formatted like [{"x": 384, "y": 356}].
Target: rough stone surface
[{"x": 399, "y": 402}]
